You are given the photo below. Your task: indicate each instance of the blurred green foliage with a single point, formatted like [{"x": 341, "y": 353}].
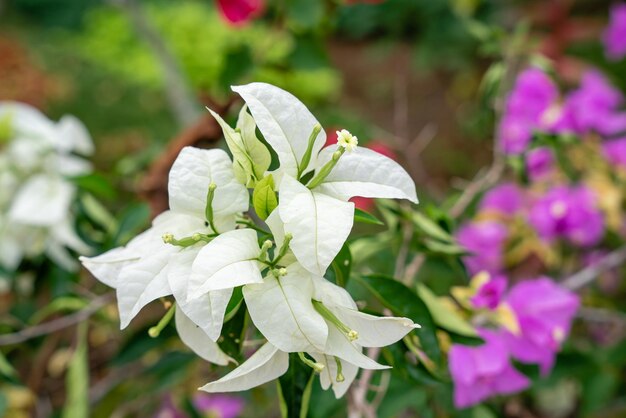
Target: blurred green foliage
[{"x": 212, "y": 54}]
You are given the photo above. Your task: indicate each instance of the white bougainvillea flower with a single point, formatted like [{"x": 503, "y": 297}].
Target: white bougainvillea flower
[
  {"x": 36, "y": 157},
  {"x": 348, "y": 331},
  {"x": 159, "y": 261},
  {"x": 318, "y": 213}
]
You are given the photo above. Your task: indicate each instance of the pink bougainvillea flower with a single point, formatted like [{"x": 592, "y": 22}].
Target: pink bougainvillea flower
[
  {"x": 530, "y": 105},
  {"x": 218, "y": 405},
  {"x": 490, "y": 293},
  {"x": 240, "y": 12},
  {"x": 539, "y": 163},
  {"x": 593, "y": 107},
  {"x": 485, "y": 241},
  {"x": 615, "y": 152},
  {"x": 505, "y": 199},
  {"x": 484, "y": 371},
  {"x": 544, "y": 312},
  {"x": 570, "y": 213},
  {"x": 614, "y": 37}
]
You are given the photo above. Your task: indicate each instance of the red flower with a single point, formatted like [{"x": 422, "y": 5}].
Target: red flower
[{"x": 240, "y": 12}]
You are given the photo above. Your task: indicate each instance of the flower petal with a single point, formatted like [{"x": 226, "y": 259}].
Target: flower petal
[
  {"x": 226, "y": 262},
  {"x": 206, "y": 310},
  {"x": 282, "y": 310},
  {"x": 328, "y": 376},
  {"x": 319, "y": 224},
  {"x": 365, "y": 173},
  {"x": 374, "y": 331},
  {"x": 339, "y": 345},
  {"x": 198, "y": 341},
  {"x": 268, "y": 363},
  {"x": 43, "y": 201},
  {"x": 285, "y": 122},
  {"x": 189, "y": 180}
]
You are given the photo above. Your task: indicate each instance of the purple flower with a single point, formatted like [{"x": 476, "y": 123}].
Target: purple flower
[
  {"x": 505, "y": 198},
  {"x": 614, "y": 36},
  {"x": 485, "y": 241},
  {"x": 532, "y": 98},
  {"x": 593, "y": 107},
  {"x": 568, "y": 213},
  {"x": 544, "y": 314},
  {"x": 218, "y": 406},
  {"x": 539, "y": 163},
  {"x": 490, "y": 293},
  {"x": 483, "y": 371},
  {"x": 615, "y": 152}
]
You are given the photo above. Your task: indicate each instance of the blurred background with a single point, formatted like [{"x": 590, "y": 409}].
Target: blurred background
[{"x": 410, "y": 78}]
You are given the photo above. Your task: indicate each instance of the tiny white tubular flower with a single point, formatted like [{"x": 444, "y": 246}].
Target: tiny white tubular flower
[
  {"x": 204, "y": 198},
  {"x": 36, "y": 157},
  {"x": 318, "y": 213},
  {"x": 346, "y": 140}
]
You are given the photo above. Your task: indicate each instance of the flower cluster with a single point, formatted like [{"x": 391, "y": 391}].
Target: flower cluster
[
  {"x": 614, "y": 36},
  {"x": 568, "y": 195},
  {"x": 212, "y": 242},
  {"x": 528, "y": 324},
  {"x": 38, "y": 157}
]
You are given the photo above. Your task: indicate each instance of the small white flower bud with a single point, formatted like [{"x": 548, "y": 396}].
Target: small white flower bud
[{"x": 346, "y": 140}]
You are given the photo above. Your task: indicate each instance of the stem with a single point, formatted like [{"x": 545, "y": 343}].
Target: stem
[
  {"x": 326, "y": 169},
  {"x": 306, "y": 158},
  {"x": 208, "y": 211},
  {"x": 155, "y": 331}
]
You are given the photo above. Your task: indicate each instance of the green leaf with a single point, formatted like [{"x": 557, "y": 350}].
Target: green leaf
[
  {"x": 233, "y": 333},
  {"x": 366, "y": 218},
  {"x": 264, "y": 197},
  {"x": 233, "y": 304},
  {"x": 258, "y": 152},
  {"x": 443, "y": 316},
  {"x": 133, "y": 219},
  {"x": 77, "y": 378},
  {"x": 95, "y": 184},
  {"x": 431, "y": 228},
  {"x": 5, "y": 367},
  {"x": 341, "y": 266},
  {"x": 443, "y": 248},
  {"x": 250, "y": 157},
  {"x": 98, "y": 213},
  {"x": 294, "y": 389},
  {"x": 64, "y": 303},
  {"x": 403, "y": 301}
]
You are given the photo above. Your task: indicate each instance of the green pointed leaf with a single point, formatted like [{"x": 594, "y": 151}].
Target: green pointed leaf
[
  {"x": 443, "y": 316},
  {"x": 431, "y": 228},
  {"x": 264, "y": 197},
  {"x": 233, "y": 333},
  {"x": 250, "y": 157},
  {"x": 437, "y": 247},
  {"x": 234, "y": 304},
  {"x": 77, "y": 378},
  {"x": 294, "y": 388},
  {"x": 366, "y": 218},
  {"x": 403, "y": 301},
  {"x": 341, "y": 266},
  {"x": 258, "y": 152}
]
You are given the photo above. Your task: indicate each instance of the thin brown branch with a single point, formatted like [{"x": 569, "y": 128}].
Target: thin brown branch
[
  {"x": 57, "y": 324},
  {"x": 587, "y": 275}
]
